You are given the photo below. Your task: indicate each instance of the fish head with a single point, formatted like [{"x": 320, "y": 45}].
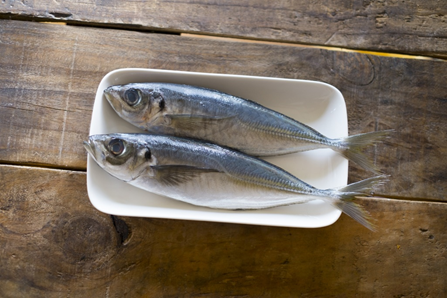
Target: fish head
[
  {"x": 123, "y": 157},
  {"x": 139, "y": 104}
]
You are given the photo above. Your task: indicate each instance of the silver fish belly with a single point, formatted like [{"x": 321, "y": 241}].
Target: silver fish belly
[
  {"x": 206, "y": 174},
  {"x": 213, "y": 116}
]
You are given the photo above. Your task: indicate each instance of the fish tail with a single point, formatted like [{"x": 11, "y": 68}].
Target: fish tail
[
  {"x": 347, "y": 194},
  {"x": 351, "y": 148}
]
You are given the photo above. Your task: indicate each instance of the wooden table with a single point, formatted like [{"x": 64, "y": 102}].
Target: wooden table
[{"x": 386, "y": 57}]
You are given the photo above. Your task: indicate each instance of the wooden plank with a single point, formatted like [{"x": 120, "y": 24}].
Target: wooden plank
[
  {"x": 49, "y": 75},
  {"x": 55, "y": 244},
  {"x": 411, "y": 26}
]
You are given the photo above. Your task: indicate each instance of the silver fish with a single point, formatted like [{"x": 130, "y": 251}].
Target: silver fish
[
  {"x": 205, "y": 174},
  {"x": 213, "y": 116}
]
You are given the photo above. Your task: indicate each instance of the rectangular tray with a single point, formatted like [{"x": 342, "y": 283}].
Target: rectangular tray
[{"x": 316, "y": 104}]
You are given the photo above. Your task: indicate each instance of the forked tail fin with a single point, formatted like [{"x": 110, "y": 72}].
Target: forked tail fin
[
  {"x": 354, "y": 145},
  {"x": 347, "y": 195}
]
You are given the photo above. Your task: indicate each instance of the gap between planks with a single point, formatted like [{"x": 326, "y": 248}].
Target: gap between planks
[
  {"x": 376, "y": 196},
  {"x": 329, "y": 48},
  {"x": 260, "y": 41},
  {"x": 40, "y": 166}
]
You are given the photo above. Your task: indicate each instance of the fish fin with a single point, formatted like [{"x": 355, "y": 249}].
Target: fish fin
[
  {"x": 364, "y": 187},
  {"x": 356, "y": 212},
  {"x": 194, "y": 121},
  {"x": 175, "y": 175},
  {"x": 347, "y": 194},
  {"x": 353, "y": 145}
]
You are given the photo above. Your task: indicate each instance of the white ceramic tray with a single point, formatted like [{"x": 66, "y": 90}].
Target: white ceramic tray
[{"x": 316, "y": 104}]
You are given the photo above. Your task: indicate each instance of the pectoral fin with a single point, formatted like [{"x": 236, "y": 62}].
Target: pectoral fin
[{"x": 175, "y": 175}]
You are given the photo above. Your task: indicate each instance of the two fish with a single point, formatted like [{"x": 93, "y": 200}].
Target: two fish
[{"x": 206, "y": 174}]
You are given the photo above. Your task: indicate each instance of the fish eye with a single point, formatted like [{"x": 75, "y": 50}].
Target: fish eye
[
  {"x": 132, "y": 96},
  {"x": 116, "y": 146}
]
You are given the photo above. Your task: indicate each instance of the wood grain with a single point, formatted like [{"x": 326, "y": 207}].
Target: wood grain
[
  {"x": 409, "y": 26},
  {"x": 55, "y": 244},
  {"x": 49, "y": 75}
]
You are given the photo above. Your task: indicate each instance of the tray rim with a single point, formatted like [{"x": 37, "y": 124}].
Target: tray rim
[{"x": 101, "y": 208}]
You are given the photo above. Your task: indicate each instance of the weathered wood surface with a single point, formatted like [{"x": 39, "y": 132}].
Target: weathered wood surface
[
  {"x": 49, "y": 75},
  {"x": 410, "y": 26},
  {"x": 55, "y": 244}
]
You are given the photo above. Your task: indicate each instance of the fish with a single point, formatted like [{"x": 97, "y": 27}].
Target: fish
[
  {"x": 213, "y": 116},
  {"x": 208, "y": 175}
]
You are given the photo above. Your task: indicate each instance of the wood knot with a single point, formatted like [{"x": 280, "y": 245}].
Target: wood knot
[
  {"x": 355, "y": 68},
  {"x": 83, "y": 239}
]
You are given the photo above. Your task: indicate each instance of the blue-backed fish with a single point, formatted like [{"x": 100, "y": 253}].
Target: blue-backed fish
[
  {"x": 209, "y": 175},
  {"x": 227, "y": 120}
]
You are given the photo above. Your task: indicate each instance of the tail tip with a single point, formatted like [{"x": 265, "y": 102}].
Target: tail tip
[{"x": 357, "y": 212}]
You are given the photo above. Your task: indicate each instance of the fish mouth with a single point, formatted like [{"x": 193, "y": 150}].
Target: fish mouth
[
  {"x": 108, "y": 89},
  {"x": 108, "y": 93},
  {"x": 89, "y": 147},
  {"x": 111, "y": 91},
  {"x": 112, "y": 96}
]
